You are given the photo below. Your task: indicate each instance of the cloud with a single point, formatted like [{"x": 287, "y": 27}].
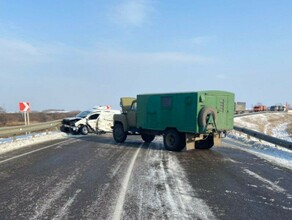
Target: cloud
[
  {"x": 18, "y": 56},
  {"x": 150, "y": 58},
  {"x": 61, "y": 73},
  {"x": 15, "y": 53},
  {"x": 131, "y": 13},
  {"x": 221, "y": 76},
  {"x": 18, "y": 46},
  {"x": 200, "y": 40}
]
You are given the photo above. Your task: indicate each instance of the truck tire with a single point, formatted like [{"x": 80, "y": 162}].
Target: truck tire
[
  {"x": 205, "y": 144},
  {"x": 84, "y": 130},
  {"x": 205, "y": 114},
  {"x": 173, "y": 141},
  {"x": 119, "y": 134},
  {"x": 148, "y": 138}
]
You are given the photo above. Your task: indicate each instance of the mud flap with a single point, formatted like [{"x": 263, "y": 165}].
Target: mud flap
[
  {"x": 217, "y": 140},
  {"x": 190, "y": 142}
]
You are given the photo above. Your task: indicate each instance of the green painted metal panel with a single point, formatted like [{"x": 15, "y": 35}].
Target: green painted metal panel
[{"x": 181, "y": 110}]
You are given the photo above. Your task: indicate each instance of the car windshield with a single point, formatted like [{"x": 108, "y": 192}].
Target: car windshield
[{"x": 83, "y": 114}]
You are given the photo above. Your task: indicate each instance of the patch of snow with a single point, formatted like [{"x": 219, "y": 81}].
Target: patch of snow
[
  {"x": 170, "y": 189},
  {"x": 63, "y": 212},
  {"x": 47, "y": 202},
  {"x": 274, "y": 154},
  {"x": 268, "y": 184},
  {"x": 9, "y": 144},
  {"x": 262, "y": 123},
  {"x": 281, "y": 132},
  {"x": 254, "y": 186},
  {"x": 274, "y": 124}
]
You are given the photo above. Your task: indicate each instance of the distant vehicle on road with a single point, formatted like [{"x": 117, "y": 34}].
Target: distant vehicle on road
[
  {"x": 96, "y": 120},
  {"x": 279, "y": 108},
  {"x": 260, "y": 108},
  {"x": 240, "y": 107}
]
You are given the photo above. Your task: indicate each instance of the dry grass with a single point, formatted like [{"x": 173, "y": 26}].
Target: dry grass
[
  {"x": 265, "y": 123},
  {"x": 289, "y": 129},
  {"x": 14, "y": 119}
]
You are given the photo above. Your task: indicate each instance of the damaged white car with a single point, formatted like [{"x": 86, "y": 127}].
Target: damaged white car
[{"x": 96, "y": 120}]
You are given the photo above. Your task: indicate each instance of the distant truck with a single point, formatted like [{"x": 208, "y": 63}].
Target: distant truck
[
  {"x": 96, "y": 120},
  {"x": 260, "y": 108},
  {"x": 240, "y": 107},
  {"x": 279, "y": 108},
  {"x": 192, "y": 120}
]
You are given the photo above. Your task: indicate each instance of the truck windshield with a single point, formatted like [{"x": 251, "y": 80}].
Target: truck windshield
[{"x": 83, "y": 114}]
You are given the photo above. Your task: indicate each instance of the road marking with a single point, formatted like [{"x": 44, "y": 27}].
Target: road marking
[
  {"x": 272, "y": 186},
  {"x": 31, "y": 152},
  {"x": 124, "y": 188}
]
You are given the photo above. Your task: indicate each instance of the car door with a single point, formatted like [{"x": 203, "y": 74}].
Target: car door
[{"x": 91, "y": 121}]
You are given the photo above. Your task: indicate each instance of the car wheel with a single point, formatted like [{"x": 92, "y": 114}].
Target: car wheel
[{"x": 84, "y": 130}]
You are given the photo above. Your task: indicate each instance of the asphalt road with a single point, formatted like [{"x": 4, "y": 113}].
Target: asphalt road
[{"x": 91, "y": 177}]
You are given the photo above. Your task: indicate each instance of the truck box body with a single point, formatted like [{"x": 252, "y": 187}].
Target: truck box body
[
  {"x": 259, "y": 108},
  {"x": 240, "y": 107},
  {"x": 181, "y": 110}
]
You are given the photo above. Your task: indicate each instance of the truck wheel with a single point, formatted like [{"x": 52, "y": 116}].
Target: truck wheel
[
  {"x": 119, "y": 134},
  {"x": 205, "y": 114},
  {"x": 173, "y": 141},
  {"x": 84, "y": 130},
  {"x": 205, "y": 144},
  {"x": 148, "y": 138}
]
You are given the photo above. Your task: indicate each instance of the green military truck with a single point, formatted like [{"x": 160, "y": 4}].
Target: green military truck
[{"x": 192, "y": 119}]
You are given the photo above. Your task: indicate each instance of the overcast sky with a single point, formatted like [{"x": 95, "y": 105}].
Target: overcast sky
[{"x": 75, "y": 54}]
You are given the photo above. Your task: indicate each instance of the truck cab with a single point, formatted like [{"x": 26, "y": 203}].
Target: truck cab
[{"x": 126, "y": 123}]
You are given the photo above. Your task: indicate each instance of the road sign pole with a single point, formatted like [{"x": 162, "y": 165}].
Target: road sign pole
[
  {"x": 27, "y": 117},
  {"x": 24, "y": 115}
]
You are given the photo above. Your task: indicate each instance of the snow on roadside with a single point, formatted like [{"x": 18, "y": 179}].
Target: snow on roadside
[
  {"x": 265, "y": 122},
  {"x": 281, "y": 132},
  {"x": 8, "y": 144},
  {"x": 275, "y": 154}
]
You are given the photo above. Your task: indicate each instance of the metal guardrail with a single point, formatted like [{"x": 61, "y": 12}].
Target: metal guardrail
[
  {"x": 255, "y": 113},
  {"x": 18, "y": 130},
  {"x": 264, "y": 137}
]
